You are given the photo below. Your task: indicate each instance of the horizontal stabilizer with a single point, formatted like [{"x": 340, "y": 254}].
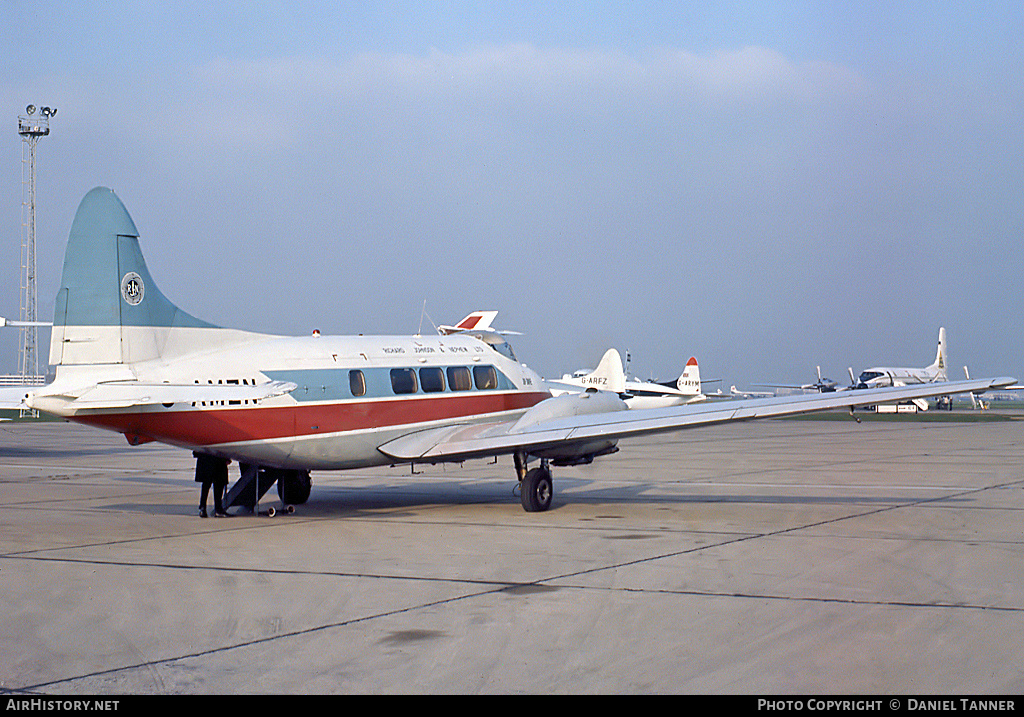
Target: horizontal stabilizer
[
  {"x": 477, "y": 321},
  {"x": 8, "y": 322},
  {"x": 13, "y": 397},
  {"x": 126, "y": 394}
]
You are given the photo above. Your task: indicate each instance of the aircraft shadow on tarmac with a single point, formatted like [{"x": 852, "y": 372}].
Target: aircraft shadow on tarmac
[
  {"x": 404, "y": 500},
  {"x": 39, "y": 452}
]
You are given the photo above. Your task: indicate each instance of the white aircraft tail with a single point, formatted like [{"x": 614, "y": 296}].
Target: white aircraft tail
[
  {"x": 689, "y": 379},
  {"x": 609, "y": 374},
  {"x": 939, "y": 364},
  {"x": 109, "y": 310}
]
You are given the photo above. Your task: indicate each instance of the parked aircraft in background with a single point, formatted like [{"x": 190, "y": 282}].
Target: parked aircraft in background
[
  {"x": 1005, "y": 393},
  {"x": 737, "y": 393},
  {"x": 610, "y": 375},
  {"x": 688, "y": 388},
  {"x": 976, "y": 401},
  {"x": 128, "y": 360},
  {"x": 822, "y": 385},
  {"x": 689, "y": 380},
  {"x": 879, "y": 376}
]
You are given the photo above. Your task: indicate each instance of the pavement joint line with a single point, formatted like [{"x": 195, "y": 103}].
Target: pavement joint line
[
  {"x": 149, "y": 664},
  {"x": 813, "y": 598},
  {"x": 496, "y": 587},
  {"x": 785, "y": 531}
]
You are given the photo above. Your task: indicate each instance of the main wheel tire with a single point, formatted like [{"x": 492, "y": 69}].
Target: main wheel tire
[{"x": 537, "y": 491}]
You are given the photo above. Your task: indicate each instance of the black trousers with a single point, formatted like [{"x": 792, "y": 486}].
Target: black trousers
[{"x": 212, "y": 472}]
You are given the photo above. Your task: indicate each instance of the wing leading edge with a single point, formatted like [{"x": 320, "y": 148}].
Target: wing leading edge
[{"x": 455, "y": 443}]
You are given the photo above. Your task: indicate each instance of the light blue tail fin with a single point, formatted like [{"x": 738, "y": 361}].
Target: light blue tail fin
[{"x": 109, "y": 309}]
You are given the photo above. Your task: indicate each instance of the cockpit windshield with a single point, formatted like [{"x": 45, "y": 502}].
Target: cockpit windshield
[
  {"x": 868, "y": 375},
  {"x": 496, "y": 342}
]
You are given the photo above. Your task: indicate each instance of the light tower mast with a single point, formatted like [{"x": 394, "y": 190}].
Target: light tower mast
[{"x": 31, "y": 127}]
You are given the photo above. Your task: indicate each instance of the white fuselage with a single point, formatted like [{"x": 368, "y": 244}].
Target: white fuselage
[
  {"x": 636, "y": 394},
  {"x": 353, "y": 394},
  {"x": 647, "y": 394},
  {"x": 881, "y": 376}
]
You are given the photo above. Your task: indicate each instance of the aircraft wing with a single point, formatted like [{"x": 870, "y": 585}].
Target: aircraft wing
[
  {"x": 455, "y": 443},
  {"x": 125, "y": 394}
]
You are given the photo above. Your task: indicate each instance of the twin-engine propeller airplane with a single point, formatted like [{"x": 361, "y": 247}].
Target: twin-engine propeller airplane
[{"x": 129, "y": 360}]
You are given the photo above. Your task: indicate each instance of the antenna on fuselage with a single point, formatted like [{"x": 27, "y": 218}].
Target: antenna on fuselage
[{"x": 423, "y": 312}]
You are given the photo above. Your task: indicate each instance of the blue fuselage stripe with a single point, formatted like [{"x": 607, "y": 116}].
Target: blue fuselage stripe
[{"x": 334, "y": 384}]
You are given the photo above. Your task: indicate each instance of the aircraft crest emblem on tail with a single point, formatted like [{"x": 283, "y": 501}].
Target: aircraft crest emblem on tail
[{"x": 133, "y": 290}]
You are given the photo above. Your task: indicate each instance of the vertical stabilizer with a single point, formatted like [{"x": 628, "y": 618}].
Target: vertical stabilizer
[
  {"x": 689, "y": 379},
  {"x": 609, "y": 374},
  {"x": 109, "y": 310},
  {"x": 940, "y": 355}
]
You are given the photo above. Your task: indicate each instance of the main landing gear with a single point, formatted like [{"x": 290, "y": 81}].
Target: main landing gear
[
  {"x": 293, "y": 487},
  {"x": 535, "y": 487}
]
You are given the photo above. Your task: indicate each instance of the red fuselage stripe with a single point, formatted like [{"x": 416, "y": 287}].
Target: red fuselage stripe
[{"x": 207, "y": 427}]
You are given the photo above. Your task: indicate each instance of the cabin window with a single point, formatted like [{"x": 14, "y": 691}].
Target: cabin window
[
  {"x": 432, "y": 379},
  {"x": 403, "y": 380},
  {"x": 357, "y": 383},
  {"x": 459, "y": 378},
  {"x": 486, "y": 377}
]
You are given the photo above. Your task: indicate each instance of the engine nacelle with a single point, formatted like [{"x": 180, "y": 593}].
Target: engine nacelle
[
  {"x": 567, "y": 405},
  {"x": 577, "y": 454}
]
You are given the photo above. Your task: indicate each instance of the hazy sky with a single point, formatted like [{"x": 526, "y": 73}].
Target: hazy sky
[{"x": 765, "y": 186}]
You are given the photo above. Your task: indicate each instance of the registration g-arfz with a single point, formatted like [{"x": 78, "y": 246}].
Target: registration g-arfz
[{"x": 129, "y": 360}]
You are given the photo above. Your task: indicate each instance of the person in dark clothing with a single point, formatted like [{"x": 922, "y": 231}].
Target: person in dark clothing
[{"x": 211, "y": 472}]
